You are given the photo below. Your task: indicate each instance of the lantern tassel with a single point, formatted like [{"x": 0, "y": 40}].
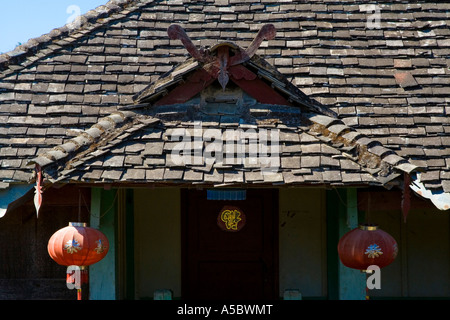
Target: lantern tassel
[
  {"x": 78, "y": 278},
  {"x": 367, "y": 288}
]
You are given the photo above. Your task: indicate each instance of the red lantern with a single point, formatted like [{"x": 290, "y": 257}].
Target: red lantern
[
  {"x": 367, "y": 245},
  {"x": 80, "y": 246}
]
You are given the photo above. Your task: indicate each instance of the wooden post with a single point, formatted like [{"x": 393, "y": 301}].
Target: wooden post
[
  {"x": 342, "y": 216},
  {"x": 102, "y": 279},
  {"x": 125, "y": 244},
  {"x": 352, "y": 283}
]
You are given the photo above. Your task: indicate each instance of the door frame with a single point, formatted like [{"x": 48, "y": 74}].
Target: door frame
[{"x": 184, "y": 197}]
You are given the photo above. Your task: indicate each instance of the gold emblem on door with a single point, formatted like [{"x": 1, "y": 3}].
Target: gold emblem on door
[{"x": 231, "y": 219}]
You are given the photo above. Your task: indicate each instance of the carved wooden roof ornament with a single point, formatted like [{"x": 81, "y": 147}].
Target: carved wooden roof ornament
[{"x": 219, "y": 61}]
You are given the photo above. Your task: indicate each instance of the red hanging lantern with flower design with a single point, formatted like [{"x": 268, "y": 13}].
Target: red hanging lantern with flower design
[
  {"x": 77, "y": 245},
  {"x": 365, "y": 246}
]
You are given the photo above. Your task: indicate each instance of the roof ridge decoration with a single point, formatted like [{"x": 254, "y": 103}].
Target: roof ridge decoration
[
  {"x": 221, "y": 65},
  {"x": 223, "y": 62},
  {"x": 16, "y": 59}
]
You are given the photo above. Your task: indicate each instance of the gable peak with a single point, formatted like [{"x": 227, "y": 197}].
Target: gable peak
[{"x": 219, "y": 58}]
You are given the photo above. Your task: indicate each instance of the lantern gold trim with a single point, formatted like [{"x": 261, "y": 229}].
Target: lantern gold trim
[
  {"x": 78, "y": 224},
  {"x": 368, "y": 227}
]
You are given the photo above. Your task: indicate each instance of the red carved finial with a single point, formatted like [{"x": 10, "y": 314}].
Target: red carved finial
[
  {"x": 217, "y": 66},
  {"x": 267, "y": 32},
  {"x": 178, "y": 33}
]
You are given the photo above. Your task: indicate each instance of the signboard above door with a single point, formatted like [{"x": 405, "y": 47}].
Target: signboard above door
[{"x": 229, "y": 194}]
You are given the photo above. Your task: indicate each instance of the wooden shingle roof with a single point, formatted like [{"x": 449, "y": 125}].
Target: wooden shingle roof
[
  {"x": 131, "y": 145},
  {"x": 389, "y": 83}
]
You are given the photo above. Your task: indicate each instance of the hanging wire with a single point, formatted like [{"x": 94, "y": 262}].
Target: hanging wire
[
  {"x": 79, "y": 205},
  {"x": 345, "y": 202},
  {"x": 104, "y": 213},
  {"x": 368, "y": 209}
]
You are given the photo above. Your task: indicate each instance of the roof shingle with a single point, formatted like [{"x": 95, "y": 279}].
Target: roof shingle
[{"x": 72, "y": 78}]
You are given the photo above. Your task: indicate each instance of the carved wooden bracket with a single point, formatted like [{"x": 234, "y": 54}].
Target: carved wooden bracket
[
  {"x": 267, "y": 32},
  {"x": 176, "y": 32},
  {"x": 219, "y": 66}
]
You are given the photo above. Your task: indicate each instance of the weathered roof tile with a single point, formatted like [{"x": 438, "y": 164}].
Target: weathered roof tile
[{"x": 384, "y": 82}]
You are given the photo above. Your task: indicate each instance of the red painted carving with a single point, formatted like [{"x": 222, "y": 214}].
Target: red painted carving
[
  {"x": 222, "y": 58},
  {"x": 176, "y": 32},
  {"x": 267, "y": 32},
  {"x": 218, "y": 65},
  {"x": 223, "y": 67}
]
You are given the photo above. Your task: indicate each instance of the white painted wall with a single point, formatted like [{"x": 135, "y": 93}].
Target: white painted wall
[{"x": 157, "y": 241}]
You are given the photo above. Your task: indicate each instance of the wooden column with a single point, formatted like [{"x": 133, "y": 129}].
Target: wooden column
[
  {"x": 342, "y": 216},
  {"x": 352, "y": 283},
  {"x": 102, "y": 275},
  {"x": 125, "y": 244}
]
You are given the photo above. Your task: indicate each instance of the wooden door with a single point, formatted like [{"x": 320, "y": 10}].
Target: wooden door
[{"x": 221, "y": 263}]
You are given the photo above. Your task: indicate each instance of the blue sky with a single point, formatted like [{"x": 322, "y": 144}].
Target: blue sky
[{"x": 21, "y": 20}]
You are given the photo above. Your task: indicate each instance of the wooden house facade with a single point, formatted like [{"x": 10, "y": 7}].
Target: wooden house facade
[{"x": 224, "y": 148}]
